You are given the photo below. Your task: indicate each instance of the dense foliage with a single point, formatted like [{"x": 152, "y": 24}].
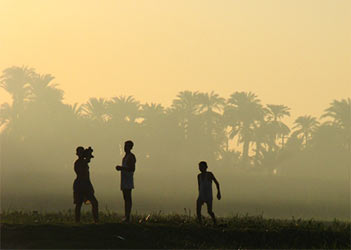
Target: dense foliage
[{"x": 39, "y": 127}]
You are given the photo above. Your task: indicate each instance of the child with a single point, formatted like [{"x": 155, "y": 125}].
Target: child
[{"x": 204, "y": 180}]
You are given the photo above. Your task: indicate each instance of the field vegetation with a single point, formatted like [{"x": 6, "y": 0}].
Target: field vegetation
[{"x": 28, "y": 230}]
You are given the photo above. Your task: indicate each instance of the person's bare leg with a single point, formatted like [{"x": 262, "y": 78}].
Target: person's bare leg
[
  {"x": 127, "y": 195},
  {"x": 198, "y": 211},
  {"x": 77, "y": 212},
  {"x": 95, "y": 209},
  {"x": 210, "y": 212},
  {"x": 129, "y": 204}
]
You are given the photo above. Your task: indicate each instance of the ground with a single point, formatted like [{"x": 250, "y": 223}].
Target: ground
[{"x": 21, "y": 230}]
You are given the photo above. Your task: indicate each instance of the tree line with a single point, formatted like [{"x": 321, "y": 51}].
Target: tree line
[{"x": 238, "y": 132}]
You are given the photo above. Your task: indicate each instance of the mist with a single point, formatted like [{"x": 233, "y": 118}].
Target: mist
[{"x": 263, "y": 164}]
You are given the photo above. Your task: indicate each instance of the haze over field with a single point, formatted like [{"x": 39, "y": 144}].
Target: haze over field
[{"x": 259, "y": 89}]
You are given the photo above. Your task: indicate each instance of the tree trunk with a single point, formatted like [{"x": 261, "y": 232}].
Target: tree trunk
[
  {"x": 258, "y": 150},
  {"x": 245, "y": 150}
]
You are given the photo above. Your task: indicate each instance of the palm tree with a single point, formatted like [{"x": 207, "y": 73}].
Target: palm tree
[
  {"x": 277, "y": 112},
  {"x": 244, "y": 110},
  {"x": 210, "y": 103},
  {"x": 75, "y": 109},
  {"x": 15, "y": 81},
  {"x": 274, "y": 114},
  {"x": 124, "y": 109},
  {"x": 43, "y": 91},
  {"x": 151, "y": 113},
  {"x": 153, "y": 119},
  {"x": 187, "y": 102},
  {"x": 305, "y": 126},
  {"x": 6, "y": 114},
  {"x": 154, "y": 130},
  {"x": 328, "y": 138},
  {"x": 340, "y": 112},
  {"x": 96, "y": 110},
  {"x": 294, "y": 143},
  {"x": 262, "y": 137},
  {"x": 186, "y": 108},
  {"x": 211, "y": 107},
  {"x": 124, "y": 113}
]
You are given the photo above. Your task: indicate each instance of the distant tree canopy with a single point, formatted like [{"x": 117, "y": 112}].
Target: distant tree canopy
[{"x": 203, "y": 126}]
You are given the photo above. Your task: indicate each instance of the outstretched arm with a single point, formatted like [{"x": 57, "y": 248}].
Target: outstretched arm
[{"x": 217, "y": 185}]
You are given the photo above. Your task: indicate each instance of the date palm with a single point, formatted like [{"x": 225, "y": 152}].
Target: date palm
[
  {"x": 75, "y": 109},
  {"x": 262, "y": 132},
  {"x": 155, "y": 130},
  {"x": 277, "y": 112},
  {"x": 274, "y": 114},
  {"x": 124, "y": 109},
  {"x": 6, "y": 115},
  {"x": 210, "y": 102},
  {"x": 187, "y": 102},
  {"x": 45, "y": 110},
  {"x": 211, "y": 106},
  {"x": 340, "y": 112},
  {"x": 43, "y": 91},
  {"x": 186, "y": 108},
  {"x": 305, "y": 126},
  {"x": 15, "y": 81},
  {"x": 151, "y": 113},
  {"x": 73, "y": 113},
  {"x": 96, "y": 110},
  {"x": 244, "y": 110}
]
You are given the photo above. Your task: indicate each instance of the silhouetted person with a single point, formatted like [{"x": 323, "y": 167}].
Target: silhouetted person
[
  {"x": 83, "y": 190},
  {"x": 204, "y": 180},
  {"x": 127, "y": 177}
]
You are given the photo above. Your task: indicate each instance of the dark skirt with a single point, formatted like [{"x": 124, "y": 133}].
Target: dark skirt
[{"x": 82, "y": 191}]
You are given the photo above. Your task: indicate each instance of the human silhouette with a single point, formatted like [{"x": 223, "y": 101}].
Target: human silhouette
[
  {"x": 127, "y": 177},
  {"x": 204, "y": 180},
  {"x": 83, "y": 190}
]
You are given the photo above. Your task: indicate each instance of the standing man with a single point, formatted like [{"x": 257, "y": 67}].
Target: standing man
[
  {"x": 83, "y": 190},
  {"x": 127, "y": 177}
]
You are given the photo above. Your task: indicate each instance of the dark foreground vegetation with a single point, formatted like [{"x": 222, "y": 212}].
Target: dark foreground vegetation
[{"x": 56, "y": 230}]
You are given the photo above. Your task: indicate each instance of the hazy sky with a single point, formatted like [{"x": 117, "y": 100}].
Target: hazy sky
[{"x": 292, "y": 52}]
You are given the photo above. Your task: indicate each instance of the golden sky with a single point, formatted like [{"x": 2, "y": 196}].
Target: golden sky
[{"x": 292, "y": 52}]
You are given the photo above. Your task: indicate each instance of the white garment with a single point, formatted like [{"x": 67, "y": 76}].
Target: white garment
[
  {"x": 127, "y": 180},
  {"x": 205, "y": 189},
  {"x": 127, "y": 177}
]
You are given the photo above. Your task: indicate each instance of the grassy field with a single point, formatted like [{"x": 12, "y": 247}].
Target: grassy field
[{"x": 25, "y": 230}]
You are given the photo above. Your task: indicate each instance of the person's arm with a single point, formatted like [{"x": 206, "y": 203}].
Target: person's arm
[
  {"x": 217, "y": 185},
  {"x": 75, "y": 168},
  {"x": 198, "y": 182},
  {"x": 130, "y": 164}
]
